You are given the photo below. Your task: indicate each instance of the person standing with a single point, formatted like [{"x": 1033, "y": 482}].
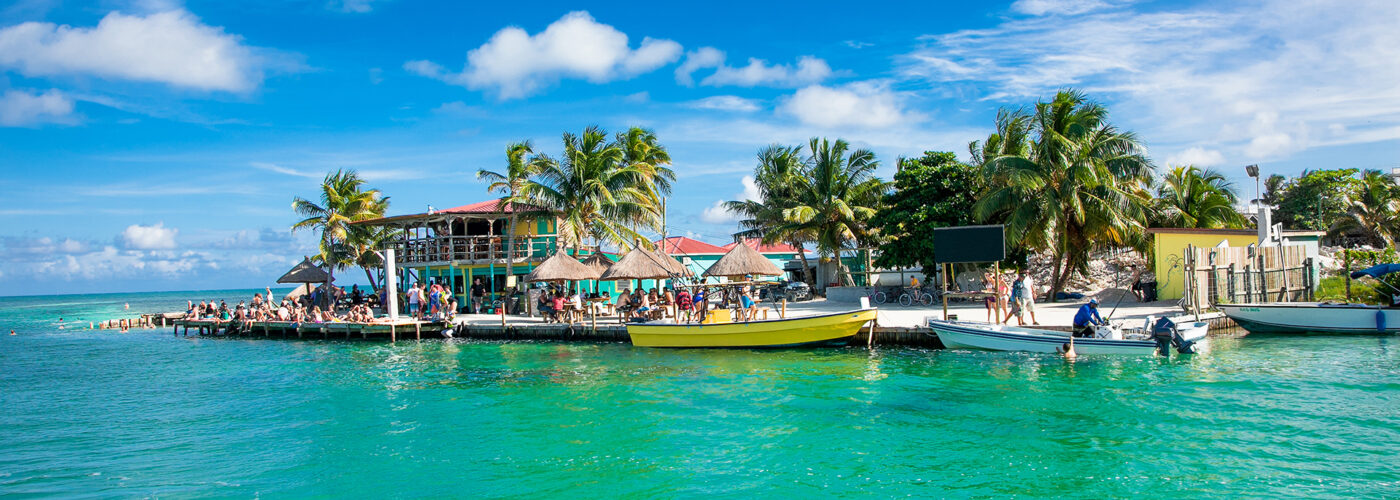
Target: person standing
[
  {"x": 478, "y": 295},
  {"x": 413, "y": 301},
  {"x": 1025, "y": 296}
]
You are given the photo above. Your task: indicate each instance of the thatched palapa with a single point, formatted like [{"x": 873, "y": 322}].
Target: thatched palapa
[
  {"x": 743, "y": 260},
  {"x": 598, "y": 262},
  {"x": 305, "y": 272},
  {"x": 643, "y": 264},
  {"x": 561, "y": 267}
]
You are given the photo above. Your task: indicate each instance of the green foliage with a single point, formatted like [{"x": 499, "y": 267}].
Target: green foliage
[
  {"x": 933, "y": 191},
  {"x": 1189, "y": 197},
  {"x": 1316, "y": 199},
  {"x": 1367, "y": 290},
  {"x": 1373, "y": 211},
  {"x": 1334, "y": 288},
  {"x": 777, "y": 177},
  {"x": 344, "y": 201}
]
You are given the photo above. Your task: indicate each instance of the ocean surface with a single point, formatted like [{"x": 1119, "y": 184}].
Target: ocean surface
[{"x": 97, "y": 413}]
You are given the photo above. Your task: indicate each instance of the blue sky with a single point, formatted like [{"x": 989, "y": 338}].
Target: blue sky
[{"x": 156, "y": 145}]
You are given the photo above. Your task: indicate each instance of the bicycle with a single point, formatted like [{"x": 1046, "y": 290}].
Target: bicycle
[
  {"x": 876, "y": 295},
  {"x": 909, "y": 295}
]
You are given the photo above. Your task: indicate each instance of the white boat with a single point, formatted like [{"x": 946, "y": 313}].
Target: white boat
[
  {"x": 1313, "y": 317},
  {"x": 958, "y": 334}
]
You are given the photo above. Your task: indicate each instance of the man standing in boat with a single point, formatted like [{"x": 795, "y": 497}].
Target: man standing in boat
[{"x": 1087, "y": 318}]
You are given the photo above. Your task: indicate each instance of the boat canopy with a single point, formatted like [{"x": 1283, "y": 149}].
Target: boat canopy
[{"x": 1376, "y": 271}]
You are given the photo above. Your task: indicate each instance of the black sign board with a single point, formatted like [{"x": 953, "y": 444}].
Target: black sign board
[{"x": 953, "y": 245}]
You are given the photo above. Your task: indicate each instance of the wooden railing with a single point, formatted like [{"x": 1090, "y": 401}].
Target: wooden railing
[{"x": 442, "y": 249}]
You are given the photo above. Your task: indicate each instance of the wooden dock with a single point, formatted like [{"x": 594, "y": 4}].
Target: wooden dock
[{"x": 406, "y": 329}]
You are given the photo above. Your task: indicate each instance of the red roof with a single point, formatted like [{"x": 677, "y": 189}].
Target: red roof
[
  {"x": 489, "y": 207},
  {"x": 757, "y": 244},
  {"x": 680, "y": 245}
]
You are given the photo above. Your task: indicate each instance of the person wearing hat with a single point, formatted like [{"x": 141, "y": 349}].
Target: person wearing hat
[{"x": 1087, "y": 318}]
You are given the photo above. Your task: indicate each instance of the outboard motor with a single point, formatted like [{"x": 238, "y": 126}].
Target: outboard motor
[{"x": 1167, "y": 337}]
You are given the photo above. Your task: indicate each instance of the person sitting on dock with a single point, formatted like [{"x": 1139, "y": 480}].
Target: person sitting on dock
[
  {"x": 748, "y": 307},
  {"x": 624, "y": 303},
  {"x": 1087, "y": 318},
  {"x": 642, "y": 303},
  {"x": 559, "y": 305}
]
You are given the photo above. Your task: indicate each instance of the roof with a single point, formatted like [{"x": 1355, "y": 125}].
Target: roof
[
  {"x": 599, "y": 262},
  {"x": 758, "y": 245},
  {"x": 643, "y": 264},
  {"x": 681, "y": 245},
  {"x": 562, "y": 267},
  {"x": 742, "y": 260},
  {"x": 488, "y": 207},
  {"x": 1225, "y": 232},
  {"x": 305, "y": 272}
]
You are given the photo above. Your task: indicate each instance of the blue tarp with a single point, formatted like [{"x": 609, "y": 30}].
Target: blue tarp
[{"x": 1377, "y": 271}]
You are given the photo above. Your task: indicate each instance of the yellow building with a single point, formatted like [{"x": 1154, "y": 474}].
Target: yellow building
[{"x": 1169, "y": 251}]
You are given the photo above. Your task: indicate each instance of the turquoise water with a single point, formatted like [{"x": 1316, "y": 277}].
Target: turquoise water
[{"x": 100, "y": 413}]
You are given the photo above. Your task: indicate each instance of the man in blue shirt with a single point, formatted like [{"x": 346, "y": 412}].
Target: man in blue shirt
[{"x": 1086, "y": 318}]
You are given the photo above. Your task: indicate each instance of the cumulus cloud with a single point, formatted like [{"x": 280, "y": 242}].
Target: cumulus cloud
[
  {"x": 1252, "y": 81},
  {"x": 266, "y": 238},
  {"x": 1198, "y": 156},
  {"x": 726, "y": 103},
  {"x": 172, "y": 47},
  {"x": 758, "y": 72},
  {"x": 860, "y": 104},
  {"x": 718, "y": 214},
  {"x": 155, "y": 237},
  {"x": 22, "y": 109},
  {"x": 514, "y": 63}
]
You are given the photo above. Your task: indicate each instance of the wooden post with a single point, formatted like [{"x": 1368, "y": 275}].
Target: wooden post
[
  {"x": 782, "y": 309},
  {"x": 944, "y": 284},
  {"x": 417, "y": 331},
  {"x": 392, "y": 333}
]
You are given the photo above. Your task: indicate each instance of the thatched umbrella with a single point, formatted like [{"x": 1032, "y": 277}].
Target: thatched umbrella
[
  {"x": 641, "y": 264},
  {"x": 562, "y": 267},
  {"x": 305, "y": 272},
  {"x": 598, "y": 262},
  {"x": 743, "y": 260}
]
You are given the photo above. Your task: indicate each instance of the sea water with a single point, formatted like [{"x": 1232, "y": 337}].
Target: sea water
[{"x": 101, "y": 413}]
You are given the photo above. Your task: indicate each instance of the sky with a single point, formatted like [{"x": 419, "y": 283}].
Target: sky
[{"x": 157, "y": 145}]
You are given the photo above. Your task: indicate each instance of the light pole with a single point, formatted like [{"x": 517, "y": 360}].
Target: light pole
[{"x": 1253, "y": 171}]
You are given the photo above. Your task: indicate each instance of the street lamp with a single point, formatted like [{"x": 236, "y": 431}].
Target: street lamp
[{"x": 1253, "y": 171}]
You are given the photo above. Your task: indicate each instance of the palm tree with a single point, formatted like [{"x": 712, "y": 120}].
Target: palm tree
[
  {"x": 1079, "y": 184},
  {"x": 511, "y": 184},
  {"x": 776, "y": 176},
  {"x": 594, "y": 190},
  {"x": 833, "y": 198},
  {"x": 343, "y": 201},
  {"x": 1193, "y": 198},
  {"x": 641, "y": 149},
  {"x": 1274, "y": 187},
  {"x": 1373, "y": 210}
]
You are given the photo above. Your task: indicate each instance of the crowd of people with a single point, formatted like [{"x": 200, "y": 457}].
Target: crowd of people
[
  {"x": 1016, "y": 300},
  {"x": 557, "y": 305},
  {"x": 303, "y": 309}
]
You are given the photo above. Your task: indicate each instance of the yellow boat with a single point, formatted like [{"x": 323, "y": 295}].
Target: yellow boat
[{"x": 826, "y": 329}]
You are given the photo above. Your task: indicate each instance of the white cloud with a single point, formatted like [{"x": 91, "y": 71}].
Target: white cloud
[
  {"x": 20, "y": 109},
  {"x": 514, "y": 64},
  {"x": 718, "y": 214},
  {"x": 1198, "y": 156},
  {"x": 1056, "y": 7},
  {"x": 704, "y": 57},
  {"x": 171, "y": 47},
  {"x": 273, "y": 167},
  {"x": 1250, "y": 80},
  {"x": 352, "y": 6},
  {"x": 726, "y": 103},
  {"x": 809, "y": 70},
  {"x": 860, "y": 104},
  {"x": 156, "y": 237}
]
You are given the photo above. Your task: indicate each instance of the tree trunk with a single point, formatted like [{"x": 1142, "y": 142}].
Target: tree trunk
[
  {"x": 808, "y": 275},
  {"x": 510, "y": 242},
  {"x": 372, "y": 282}
]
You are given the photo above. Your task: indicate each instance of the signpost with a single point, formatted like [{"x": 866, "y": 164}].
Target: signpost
[{"x": 969, "y": 244}]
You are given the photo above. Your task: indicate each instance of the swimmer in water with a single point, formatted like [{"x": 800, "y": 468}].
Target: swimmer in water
[{"x": 12, "y": 332}]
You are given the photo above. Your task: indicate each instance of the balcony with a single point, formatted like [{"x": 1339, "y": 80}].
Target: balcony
[{"x": 467, "y": 250}]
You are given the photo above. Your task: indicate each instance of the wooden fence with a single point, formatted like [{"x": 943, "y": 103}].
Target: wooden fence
[{"x": 1235, "y": 275}]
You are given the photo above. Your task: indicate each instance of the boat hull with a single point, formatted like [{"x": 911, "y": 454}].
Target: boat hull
[
  {"x": 824, "y": 330},
  {"x": 957, "y": 335},
  {"x": 1312, "y": 317}
]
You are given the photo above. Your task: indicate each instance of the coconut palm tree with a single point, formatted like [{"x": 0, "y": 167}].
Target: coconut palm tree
[
  {"x": 594, "y": 191},
  {"x": 1373, "y": 211},
  {"x": 833, "y": 198},
  {"x": 342, "y": 202},
  {"x": 1193, "y": 198},
  {"x": 641, "y": 149},
  {"x": 1078, "y": 185},
  {"x": 776, "y": 176},
  {"x": 511, "y": 185}
]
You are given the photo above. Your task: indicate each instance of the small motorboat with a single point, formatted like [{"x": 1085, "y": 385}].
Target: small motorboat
[
  {"x": 834, "y": 329},
  {"x": 1320, "y": 317},
  {"x": 1159, "y": 339}
]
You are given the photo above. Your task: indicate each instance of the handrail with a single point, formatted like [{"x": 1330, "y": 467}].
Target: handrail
[{"x": 438, "y": 249}]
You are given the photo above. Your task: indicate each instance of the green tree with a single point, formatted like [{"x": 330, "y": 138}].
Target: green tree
[
  {"x": 595, "y": 191},
  {"x": 1080, "y": 184},
  {"x": 1193, "y": 198},
  {"x": 343, "y": 201},
  {"x": 1274, "y": 187},
  {"x": 1373, "y": 211},
  {"x": 835, "y": 198},
  {"x": 511, "y": 184},
  {"x": 1316, "y": 199},
  {"x": 933, "y": 191},
  {"x": 776, "y": 177}
]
